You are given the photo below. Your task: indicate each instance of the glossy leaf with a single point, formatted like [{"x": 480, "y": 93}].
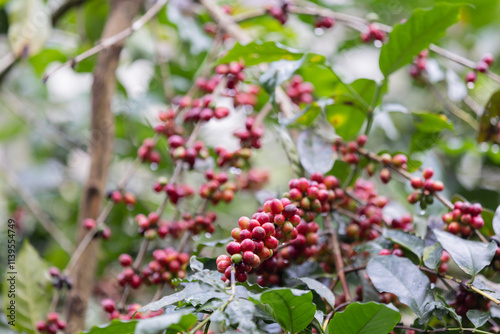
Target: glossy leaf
[
  {"x": 478, "y": 318},
  {"x": 401, "y": 277},
  {"x": 320, "y": 289},
  {"x": 240, "y": 313},
  {"x": 407, "y": 240},
  {"x": 189, "y": 290},
  {"x": 432, "y": 256},
  {"x": 29, "y": 26},
  {"x": 407, "y": 39},
  {"x": 278, "y": 72},
  {"x": 429, "y": 122},
  {"x": 256, "y": 52},
  {"x": 316, "y": 154},
  {"x": 292, "y": 309},
  {"x": 470, "y": 256},
  {"x": 114, "y": 327},
  {"x": 32, "y": 289},
  {"x": 173, "y": 323},
  {"x": 487, "y": 128},
  {"x": 369, "y": 318}
]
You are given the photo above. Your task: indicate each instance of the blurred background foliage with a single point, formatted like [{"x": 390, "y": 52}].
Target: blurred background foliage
[{"x": 44, "y": 127}]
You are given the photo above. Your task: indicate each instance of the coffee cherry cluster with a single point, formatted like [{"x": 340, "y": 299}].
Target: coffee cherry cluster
[
  {"x": 324, "y": 22},
  {"x": 482, "y": 67},
  {"x": 370, "y": 215},
  {"x": 51, "y": 325},
  {"x": 149, "y": 225},
  {"x": 168, "y": 127},
  {"x": 426, "y": 188},
  {"x": 174, "y": 191},
  {"x": 202, "y": 110},
  {"x": 396, "y": 251},
  {"x": 314, "y": 196},
  {"x": 463, "y": 219},
  {"x": 372, "y": 34},
  {"x": 109, "y": 306},
  {"x": 128, "y": 276},
  {"x": 146, "y": 151},
  {"x": 200, "y": 223},
  {"x": 254, "y": 179},
  {"x": 218, "y": 187},
  {"x": 251, "y": 136},
  {"x": 419, "y": 64},
  {"x": 349, "y": 151},
  {"x": 179, "y": 152},
  {"x": 102, "y": 231},
  {"x": 404, "y": 223},
  {"x": 280, "y": 13},
  {"x": 300, "y": 91},
  {"x": 59, "y": 280},
  {"x": 443, "y": 266},
  {"x": 468, "y": 300},
  {"x": 238, "y": 158},
  {"x": 167, "y": 265},
  {"x": 118, "y": 197}
]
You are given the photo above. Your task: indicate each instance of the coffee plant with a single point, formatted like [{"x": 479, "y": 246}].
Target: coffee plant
[{"x": 283, "y": 166}]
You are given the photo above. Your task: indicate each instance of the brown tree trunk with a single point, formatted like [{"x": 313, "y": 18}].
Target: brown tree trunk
[{"x": 100, "y": 148}]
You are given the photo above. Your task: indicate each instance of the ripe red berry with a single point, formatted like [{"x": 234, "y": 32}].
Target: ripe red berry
[
  {"x": 269, "y": 228},
  {"x": 233, "y": 248},
  {"x": 488, "y": 59},
  {"x": 385, "y": 175},
  {"x": 108, "y": 305},
  {"x": 416, "y": 183},
  {"x": 54, "y": 272},
  {"x": 89, "y": 223},
  {"x": 470, "y": 77},
  {"x": 361, "y": 140},
  {"x": 399, "y": 160},
  {"x": 247, "y": 245},
  {"x": 454, "y": 228},
  {"x": 477, "y": 222},
  {"x": 41, "y": 325},
  {"x": 289, "y": 211},
  {"x": 482, "y": 67},
  {"x": 258, "y": 233},
  {"x": 135, "y": 282},
  {"x": 125, "y": 260},
  {"x": 385, "y": 252},
  {"x": 52, "y": 317}
]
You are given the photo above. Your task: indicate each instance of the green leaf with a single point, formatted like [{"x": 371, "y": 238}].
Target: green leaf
[
  {"x": 96, "y": 13},
  {"x": 211, "y": 244},
  {"x": 406, "y": 40},
  {"x": 309, "y": 114},
  {"x": 44, "y": 58},
  {"x": 401, "y": 277},
  {"x": 489, "y": 119},
  {"x": 32, "y": 292},
  {"x": 348, "y": 113},
  {"x": 278, "y": 72},
  {"x": 321, "y": 76},
  {"x": 292, "y": 309},
  {"x": 441, "y": 304},
  {"x": 369, "y": 318},
  {"x": 315, "y": 153},
  {"x": 173, "y": 323},
  {"x": 432, "y": 255},
  {"x": 478, "y": 318},
  {"x": 470, "y": 256},
  {"x": 29, "y": 26},
  {"x": 241, "y": 313},
  {"x": 407, "y": 240},
  {"x": 257, "y": 52},
  {"x": 320, "y": 289},
  {"x": 190, "y": 290},
  {"x": 115, "y": 327},
  {"x": 429, "y": 122}
]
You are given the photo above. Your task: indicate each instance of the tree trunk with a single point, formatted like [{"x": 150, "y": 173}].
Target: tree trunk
[{"x": 100, "y": 148}]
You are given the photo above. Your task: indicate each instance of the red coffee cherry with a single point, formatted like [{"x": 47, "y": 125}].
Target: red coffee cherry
[{"x": 125, "y": 260}]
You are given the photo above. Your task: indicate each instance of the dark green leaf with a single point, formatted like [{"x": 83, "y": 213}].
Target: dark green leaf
[
  {"x": 407, "y": 240},
  {"x": 96, "y": 13},
  {"x": 401, "y": 277},
  {"x": 369, "y": 318},
  {"x": 256, "y": 52},
  {"x": 407, "y": 39},
  {"x": 292, "y": 309},
  {"x": 115, "y": 327},
  {"x": 478, "y": 318},
  {"x": 173, "y": 323},
  {"x": 278, "y": 72},
  {"x": 315, "y": 153},
  {"x": 470, "y": 256},
  {"x": 428, "y": 122},
  {"x": 421, "y": 141},
  {"x": 32, "y": 292},
  {"x": 320, "y": 289},
  {"x": 489, "y": 119},
  {"x": 441, "y": 304},
  {"x": 432, "y": 255}
]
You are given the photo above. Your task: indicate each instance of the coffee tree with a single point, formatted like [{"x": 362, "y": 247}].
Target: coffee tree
[{"x": 277, "y": 189}]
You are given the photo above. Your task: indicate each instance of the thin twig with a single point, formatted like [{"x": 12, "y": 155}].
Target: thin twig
[{"x": 110, "y": 41}]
